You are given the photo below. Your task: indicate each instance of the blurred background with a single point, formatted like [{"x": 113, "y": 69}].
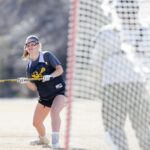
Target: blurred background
[{"x": 48, "y": 19}]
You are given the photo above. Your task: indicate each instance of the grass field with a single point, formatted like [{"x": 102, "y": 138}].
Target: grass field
[{"x": 16, "y": 130}]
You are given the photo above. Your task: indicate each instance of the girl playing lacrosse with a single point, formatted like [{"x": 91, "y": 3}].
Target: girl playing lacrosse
[{"x": 47, "y": 71}]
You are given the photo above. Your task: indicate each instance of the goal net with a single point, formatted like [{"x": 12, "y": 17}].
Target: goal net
[{"x": 108, "y": 74}]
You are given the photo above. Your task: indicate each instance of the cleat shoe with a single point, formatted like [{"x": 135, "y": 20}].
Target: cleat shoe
[
  {"x": 44, "y": 140},
  {"x": 36, "y": 142},
  {"x": 41, "y": 141}
]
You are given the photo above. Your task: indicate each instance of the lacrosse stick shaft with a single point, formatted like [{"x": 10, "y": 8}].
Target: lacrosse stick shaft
[{"x": 15, "y": 80}]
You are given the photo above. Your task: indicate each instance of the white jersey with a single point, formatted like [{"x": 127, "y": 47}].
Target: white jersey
[{"x": 119, "y": 63}]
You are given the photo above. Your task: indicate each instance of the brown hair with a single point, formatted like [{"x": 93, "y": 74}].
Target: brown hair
[{"x": 26, "y": 55}]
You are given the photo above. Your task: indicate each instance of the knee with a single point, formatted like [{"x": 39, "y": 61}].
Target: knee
[{"x": 36, "y": 123}]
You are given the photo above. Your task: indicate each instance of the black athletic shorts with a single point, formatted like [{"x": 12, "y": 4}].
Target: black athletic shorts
[{"x": 48, "y": 102}]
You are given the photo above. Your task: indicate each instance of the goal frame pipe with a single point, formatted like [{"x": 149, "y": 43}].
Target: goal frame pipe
[{"x": 71, "y": 60}]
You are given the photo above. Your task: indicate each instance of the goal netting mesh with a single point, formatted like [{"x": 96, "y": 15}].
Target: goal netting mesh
[{"x": 109, "y": 63}]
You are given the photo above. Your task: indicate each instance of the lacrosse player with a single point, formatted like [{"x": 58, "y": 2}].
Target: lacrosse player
[{"x": 51, "y": 89}]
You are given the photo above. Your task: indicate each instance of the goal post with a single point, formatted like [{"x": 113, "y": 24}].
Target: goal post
[{"x": 71, "y": 61}]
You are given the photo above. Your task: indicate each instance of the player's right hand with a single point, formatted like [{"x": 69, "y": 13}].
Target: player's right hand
[{"x": 22, "y": 80}]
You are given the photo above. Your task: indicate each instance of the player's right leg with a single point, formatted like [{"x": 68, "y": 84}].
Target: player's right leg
[{"x": 40, "y": 114}]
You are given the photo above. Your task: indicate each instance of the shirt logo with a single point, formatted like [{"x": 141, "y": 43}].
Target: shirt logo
[
  {"x": 46, "y": 62},
  {"x": 37, "y": 75},
  {"x": 58, "y": 86}
]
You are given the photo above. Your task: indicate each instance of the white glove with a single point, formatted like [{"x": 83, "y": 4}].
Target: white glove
[
  {"x": 46, "y": 78},
  {"x": 22, "y": 80}
]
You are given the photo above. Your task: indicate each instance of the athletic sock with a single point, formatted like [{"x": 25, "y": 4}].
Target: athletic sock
[{"x": 55, "y": 138}]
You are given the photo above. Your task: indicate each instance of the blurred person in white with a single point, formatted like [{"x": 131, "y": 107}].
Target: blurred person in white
[
  {"x": 121, "y": 52},
  {"x": 51, "y": 89}
]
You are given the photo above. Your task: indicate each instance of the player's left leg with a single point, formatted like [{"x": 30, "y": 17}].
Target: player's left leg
[{"x": 57, "y": 106}]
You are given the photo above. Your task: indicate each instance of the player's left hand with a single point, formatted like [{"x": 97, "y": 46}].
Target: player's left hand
[{"x": 46, "y": 78}]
